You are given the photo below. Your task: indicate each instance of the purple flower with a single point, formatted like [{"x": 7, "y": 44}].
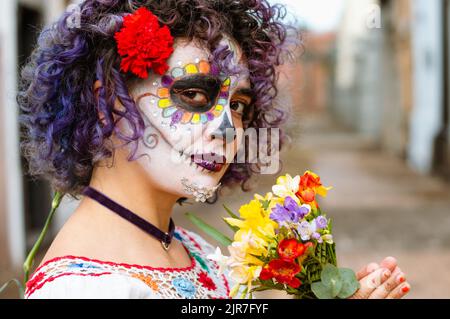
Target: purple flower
[
  {"x": 315, "y": 235},
  {"x": 290, "y": 212},
  {"x": 279, "y": 214},
  {"x": 321, "y": 222}
]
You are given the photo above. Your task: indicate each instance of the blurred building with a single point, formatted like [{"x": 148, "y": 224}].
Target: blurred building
[
  {"x": 392, "y": 78},
  {"x": 23, "y": 202},
  {"x": 316, "y": 71}
]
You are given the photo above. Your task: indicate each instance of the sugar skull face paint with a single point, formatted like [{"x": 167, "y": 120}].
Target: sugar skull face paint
[
  {"x": 190, "y": 94},
  {"x": 187, "y": 113}
]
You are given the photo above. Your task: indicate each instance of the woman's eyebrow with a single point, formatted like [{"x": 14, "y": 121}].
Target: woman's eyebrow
[{"x": 246, "y": 91}]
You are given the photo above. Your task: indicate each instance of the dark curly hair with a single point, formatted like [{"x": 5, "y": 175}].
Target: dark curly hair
[{"x": 64, "y": 137}]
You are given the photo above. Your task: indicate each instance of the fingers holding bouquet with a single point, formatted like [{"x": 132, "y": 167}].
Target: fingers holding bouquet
[{"x": 382, "y": 281}]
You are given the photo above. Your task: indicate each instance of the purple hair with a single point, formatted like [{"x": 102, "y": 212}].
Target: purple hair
[{"x": 63, "y": 135}]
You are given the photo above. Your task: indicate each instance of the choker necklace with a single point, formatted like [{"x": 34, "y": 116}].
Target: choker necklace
[{"x": 164, "y": 238}]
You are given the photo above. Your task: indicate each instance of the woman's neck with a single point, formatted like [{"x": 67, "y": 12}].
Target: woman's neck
[{"x": 125, "y": 182}]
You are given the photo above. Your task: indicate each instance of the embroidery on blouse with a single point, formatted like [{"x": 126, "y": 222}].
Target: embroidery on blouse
[{"x": 200, "y": 280}]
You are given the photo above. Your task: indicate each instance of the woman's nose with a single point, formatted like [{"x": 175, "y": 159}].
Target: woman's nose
[{"x": 225, "y": 130}]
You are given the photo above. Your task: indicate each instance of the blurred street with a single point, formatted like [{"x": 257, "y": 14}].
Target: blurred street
[{"x": 379, "y": 206}]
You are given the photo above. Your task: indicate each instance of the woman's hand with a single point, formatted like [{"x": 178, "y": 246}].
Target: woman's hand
[{"x": 382, "y": 281}]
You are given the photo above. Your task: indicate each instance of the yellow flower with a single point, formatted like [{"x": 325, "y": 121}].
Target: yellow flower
[
  {"x": 251, "y": 210},
  {"x": 244, "y": 275},
  {"x": 254, "y": 217},
  {"x": 252, "y": 244},
  {"x": 287, "y": 186}
]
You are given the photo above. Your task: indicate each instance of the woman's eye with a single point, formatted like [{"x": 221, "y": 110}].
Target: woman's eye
[
  {"x": 195, "y": 98},
  {"x": 238, "y": 106}
]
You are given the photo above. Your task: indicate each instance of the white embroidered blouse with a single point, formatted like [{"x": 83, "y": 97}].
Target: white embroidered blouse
[{"x": 84, "y": 278}]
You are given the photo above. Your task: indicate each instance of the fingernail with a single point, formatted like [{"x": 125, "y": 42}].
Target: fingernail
[
  {"x": 405, "y": 289},
  {"x": 401, "y": 278},
  {"x": 372, "y": 268}
]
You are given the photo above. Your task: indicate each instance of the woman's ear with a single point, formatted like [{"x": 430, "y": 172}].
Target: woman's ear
[{"x": 97, "y": 86}]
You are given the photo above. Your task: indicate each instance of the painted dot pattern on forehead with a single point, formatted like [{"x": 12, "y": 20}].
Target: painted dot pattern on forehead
[{"x": 179, "y": 115}]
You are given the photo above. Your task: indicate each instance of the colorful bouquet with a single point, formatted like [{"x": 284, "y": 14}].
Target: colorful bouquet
[{"x": 283, "y": 241}]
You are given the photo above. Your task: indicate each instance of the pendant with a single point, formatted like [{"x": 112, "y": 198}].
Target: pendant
[{"x": 165, "y": 245}]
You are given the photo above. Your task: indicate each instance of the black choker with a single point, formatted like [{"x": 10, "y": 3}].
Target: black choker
[{"x": 164, "y": 238}]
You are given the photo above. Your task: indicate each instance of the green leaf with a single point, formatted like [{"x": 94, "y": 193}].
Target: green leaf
[
  {"x": 233, "y": 215},
  {"x": 208, "y": 229},
  {"x": 321, "y": 291},
  {"x": 265, "y": 203},
  {"x": 331, "y": 278},
  {"x": 329, "y": 274},
  {"x": 233, "y": 228},
  {"x": 349, "y": 283}
]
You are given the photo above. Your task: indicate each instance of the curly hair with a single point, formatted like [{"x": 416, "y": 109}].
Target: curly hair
[{"x": 63, "y": 136}]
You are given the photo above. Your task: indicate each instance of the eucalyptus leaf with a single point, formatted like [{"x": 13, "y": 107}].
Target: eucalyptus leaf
[
  {"x": 349, "y": 283},
  {"x": 208, "y": 229},
  {"x": 330, "y": 274},
  {"x": 321, "y": 291}
]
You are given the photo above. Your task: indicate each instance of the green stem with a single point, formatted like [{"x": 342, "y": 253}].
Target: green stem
[
  {"x": 13, "y": 281},
  {"x": 30, "y": 258}
]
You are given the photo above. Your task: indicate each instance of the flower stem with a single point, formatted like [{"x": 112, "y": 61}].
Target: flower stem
[{"x": 30, "y": 258}]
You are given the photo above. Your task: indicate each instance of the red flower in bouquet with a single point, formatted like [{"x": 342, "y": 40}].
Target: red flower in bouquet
[
  {"x": 143, "y": 44},
  {"x": 283, "y": 271},
  {"x": 290, "y": 249}
]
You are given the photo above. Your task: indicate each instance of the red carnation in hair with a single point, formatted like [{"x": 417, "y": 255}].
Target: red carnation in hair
[{"x": 143, "y": 44}]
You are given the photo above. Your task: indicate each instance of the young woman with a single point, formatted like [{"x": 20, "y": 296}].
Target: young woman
[{"x": 129, "y": 105}]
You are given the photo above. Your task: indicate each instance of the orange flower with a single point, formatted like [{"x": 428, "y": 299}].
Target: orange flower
[{"x": 310, "y": 186}]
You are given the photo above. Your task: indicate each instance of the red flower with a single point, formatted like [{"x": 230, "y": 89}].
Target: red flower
[
  {"x": 206, "y": 281},
  {"x": 283, "y": 271},
  {"x": 143, "y": 44},
  {"x": 290, "y": 249}
]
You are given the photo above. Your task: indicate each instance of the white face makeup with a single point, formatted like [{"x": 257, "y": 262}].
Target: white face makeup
[{"x": 188, "y": 112}]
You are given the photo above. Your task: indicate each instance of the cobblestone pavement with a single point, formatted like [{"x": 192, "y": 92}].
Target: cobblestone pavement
[{"x": 380, "y": 207}]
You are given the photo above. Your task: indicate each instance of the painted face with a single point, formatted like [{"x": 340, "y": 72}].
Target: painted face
[{"x": 189, "y": 112}]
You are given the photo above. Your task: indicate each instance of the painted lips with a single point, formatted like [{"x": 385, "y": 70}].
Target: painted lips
[{"x": 210, "y": 161}]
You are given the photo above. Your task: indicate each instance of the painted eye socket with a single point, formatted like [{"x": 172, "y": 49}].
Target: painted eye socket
[
  {"x": 194, "y": 97},
  {"x": 196, "y": 93},
  {"x": 238, "y": 106}
]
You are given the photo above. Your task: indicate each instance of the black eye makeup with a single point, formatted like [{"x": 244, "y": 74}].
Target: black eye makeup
[
  {"x": 191, "y": 94},
  {"x": 196, "y": 93}
]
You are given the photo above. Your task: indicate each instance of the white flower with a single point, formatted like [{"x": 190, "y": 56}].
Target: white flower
[
  {"x": 306, "y": 230},
  {"x": 287, "y": 186}
]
